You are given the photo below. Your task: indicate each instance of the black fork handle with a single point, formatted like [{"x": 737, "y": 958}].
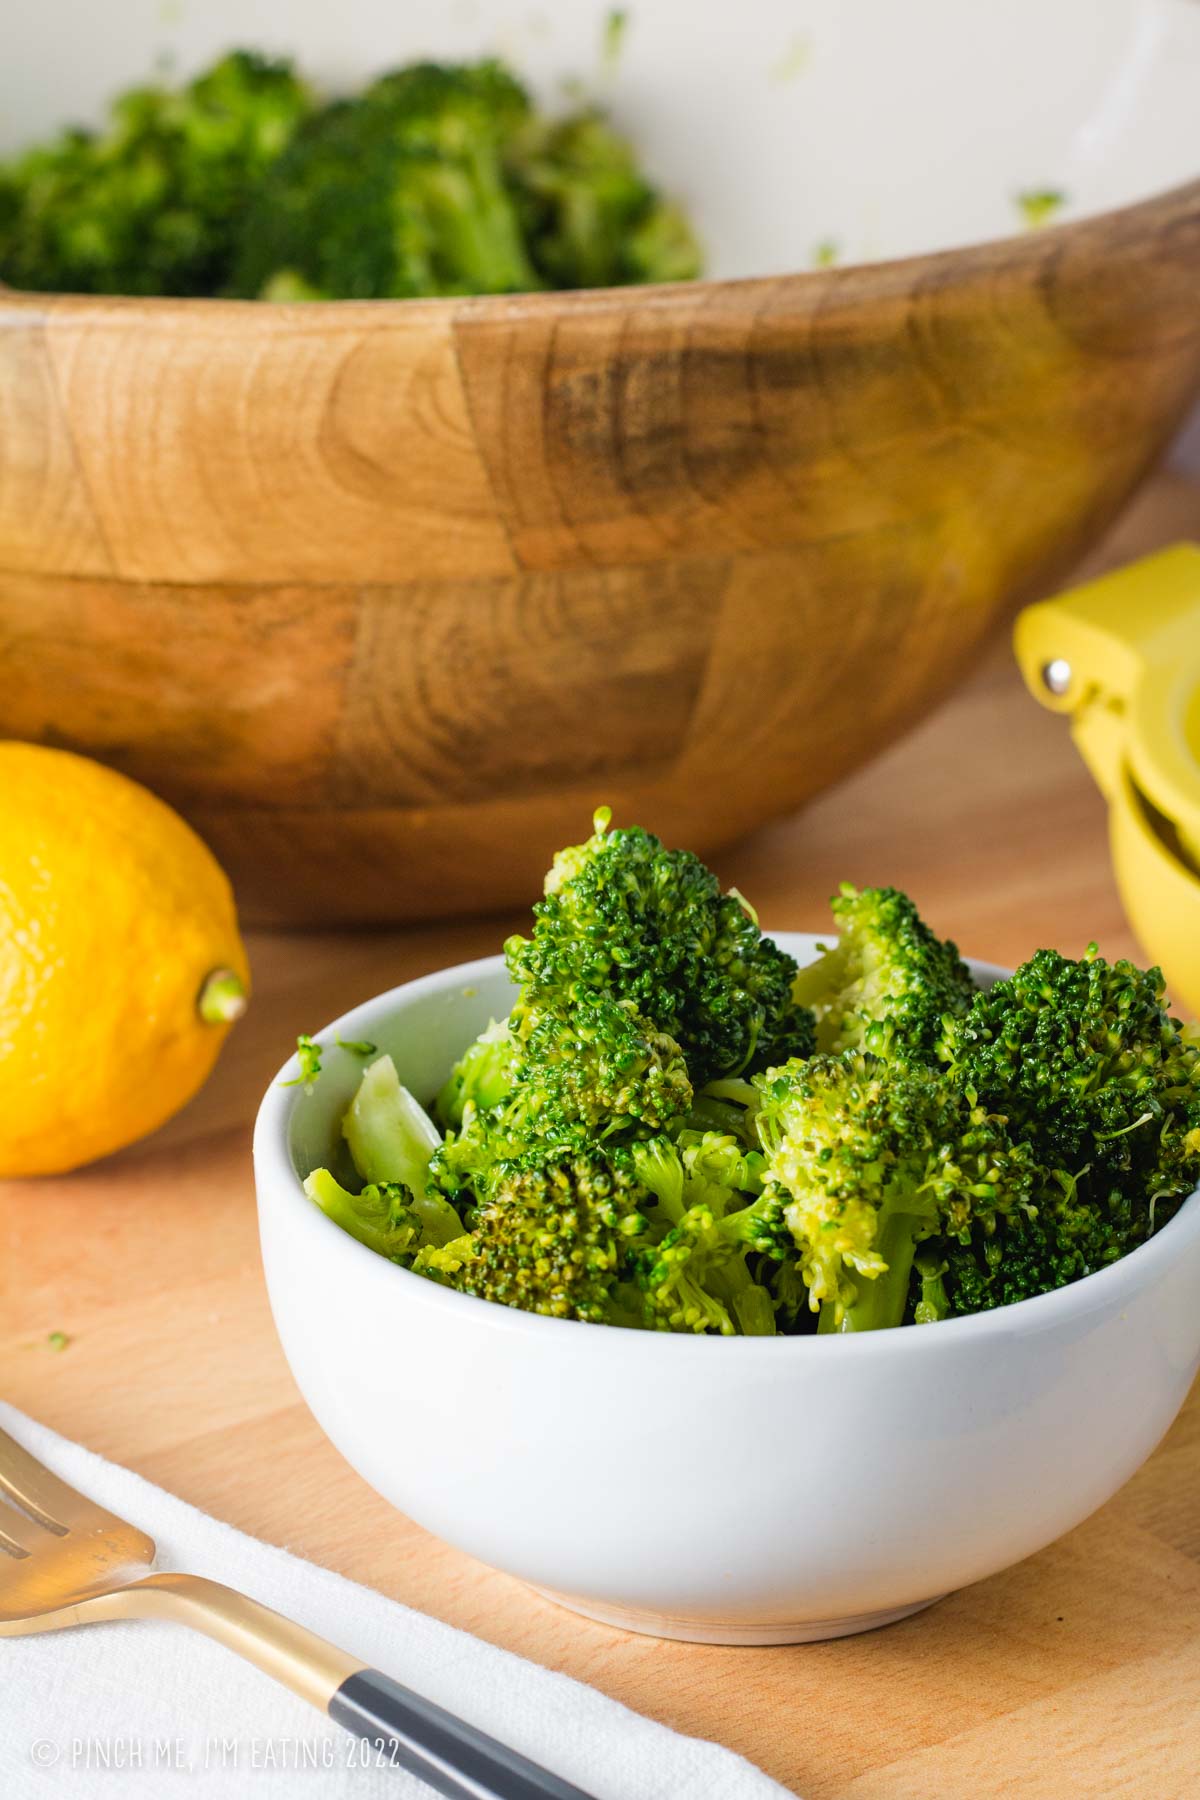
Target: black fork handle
[{"x": 449, "y": 1755}]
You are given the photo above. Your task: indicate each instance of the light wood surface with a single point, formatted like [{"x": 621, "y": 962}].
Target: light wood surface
[
  {"x": 1075, "y": 1674},
  {"x": 413, "y": 584}
]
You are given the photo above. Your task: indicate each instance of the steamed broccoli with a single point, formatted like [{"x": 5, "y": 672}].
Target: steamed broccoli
[
  {"x": 391, "y": 1142},
  {"x": 151, "y": 204},
  {"x": 601, "y": 1067},
  {"x": 380, "y": 1215},
  {"x": 598, "y": 1074},
  {"x": 1065, "y": 1236},
  {"x": 1091, "y": 1068},
  {"x": 652, "y": 1139},
  {"x": 400, "y": 192},
  {"x": 888, "y": 983},
  {"x": 438, "y": 179},
  {"x": 390, "y": 1137},
  {"x": 871, "y": 1159},
  {"x": 695, "y": 1275},
  {"x": 624, "y": 917},
  {"x": 695, "y": 1279},
  {"x": 1102, "y": 1085},
  {"x": 481, "y": 1078},
  {"x": 591, "y": 219},
  {"x": 552, "y": 1236}
]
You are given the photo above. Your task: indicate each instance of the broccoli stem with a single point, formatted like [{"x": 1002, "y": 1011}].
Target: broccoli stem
[
  {"x": 365, "y": 1216},
  {"x": 934, "y": 1303},
  {"x": 480, "y": 234},
  {"x": 817, "y": 980},
  {"x": 751, "y": 1304},
  {"x": 709, "y": 1114},
  {"x": 392, "y": 1138},
  {"x": 732, "y": 1087},
  {"x": 881, "y": 1301}
]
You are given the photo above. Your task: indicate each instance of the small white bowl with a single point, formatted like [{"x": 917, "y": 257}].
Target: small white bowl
[{"x": 727, "y": 1490}]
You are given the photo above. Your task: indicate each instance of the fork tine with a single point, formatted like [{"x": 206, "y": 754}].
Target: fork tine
[{"x": 25, "y": 1480}]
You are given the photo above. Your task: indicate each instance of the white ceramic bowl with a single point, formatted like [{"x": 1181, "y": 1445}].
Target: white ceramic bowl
[{"x": 728, "y": 1490}]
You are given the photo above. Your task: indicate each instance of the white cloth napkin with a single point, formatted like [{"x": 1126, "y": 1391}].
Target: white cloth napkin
[{"x": 156, "y": 1710}]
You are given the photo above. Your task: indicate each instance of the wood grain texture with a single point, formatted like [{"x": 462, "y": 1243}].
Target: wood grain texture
[
  {"x": 1076, "y": 1674},
  {"x": 412, "y": 586}
]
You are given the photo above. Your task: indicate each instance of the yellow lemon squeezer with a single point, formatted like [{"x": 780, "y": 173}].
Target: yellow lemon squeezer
[{"x": 1122, "y": 657}]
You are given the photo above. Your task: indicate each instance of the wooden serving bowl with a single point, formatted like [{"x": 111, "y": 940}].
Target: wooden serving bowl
[{"x": 387, "y": 597}]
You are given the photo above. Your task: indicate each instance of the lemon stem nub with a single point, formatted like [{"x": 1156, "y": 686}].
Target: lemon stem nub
[{"x": 222, "y": 997}]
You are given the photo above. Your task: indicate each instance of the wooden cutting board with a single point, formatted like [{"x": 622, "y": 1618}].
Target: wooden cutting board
[{"x": 1076, "y": 1673}]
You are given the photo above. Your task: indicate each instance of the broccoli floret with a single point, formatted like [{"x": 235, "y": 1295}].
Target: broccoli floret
[
  {"x": 381, "y": 1216},
  {"x": 554, "y": 1236},
  {"x": 708, "y": 1165},
  {"x": 151, "y": 204},
  {"x": 590, "y": 217},
  {"x": 695, "y": 1275},
  {"x": 602, "y": 1067},
  {"x": 465, "y": 1162},
  {"x": 928, "y": 1298},
  {"x": 399, "y": 192},
  {"x": 597, "y": 1075},
  {"x": 874, "y": 1158},
  {"x": 713, "y": 1159},
  {"x": 888, "y": 983},
  {"x": 481, "y": 1078},
  {"x": 681, "y": 1277},
  {"x": 1093, "y": 1072},
  {"x": 392, "y": 1140},
  {"x": 1064, "y": 1237},
  {"x": 624, "y": 917}
]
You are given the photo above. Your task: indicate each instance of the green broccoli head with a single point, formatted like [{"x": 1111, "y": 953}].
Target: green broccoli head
[
  {"x": 682, "y": 1278},
  {"x": 400, "y": 192},
  {"x": 625, "y": 918},
  {"x": 151, "y": 204},
  {"x": 697, "y": 1166},
  {"x": 1065, "y": 1236},
  {"x": 590, "y": 217},
  {"x": 888, "y": 983},
  {"x": 1092, "y": 1071},
  {"x": 872, "y": 1158},
  {"x": 481, "y": 1078},
  {"x": 693, "y": 1270},
  {"x": 236, "y": 119},
  {"x": 600, "y": 1067},
  {"x": 380, "y": 1215},
  {"x": 597, "y": 1075},
  {"x": 466, "y": 1162},
  {"x": 553, "y": 1235}
]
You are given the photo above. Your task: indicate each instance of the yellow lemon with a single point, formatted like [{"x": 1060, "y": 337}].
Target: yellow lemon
[{"x": 120, "y": 961}]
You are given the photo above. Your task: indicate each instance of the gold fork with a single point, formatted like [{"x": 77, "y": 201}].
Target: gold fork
[{"x": 66, "y": 1561}]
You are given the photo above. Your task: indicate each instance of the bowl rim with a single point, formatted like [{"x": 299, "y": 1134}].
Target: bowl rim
[
  {"x": 861, "y": 282},
  {"x": 274, "y": 1169}
]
